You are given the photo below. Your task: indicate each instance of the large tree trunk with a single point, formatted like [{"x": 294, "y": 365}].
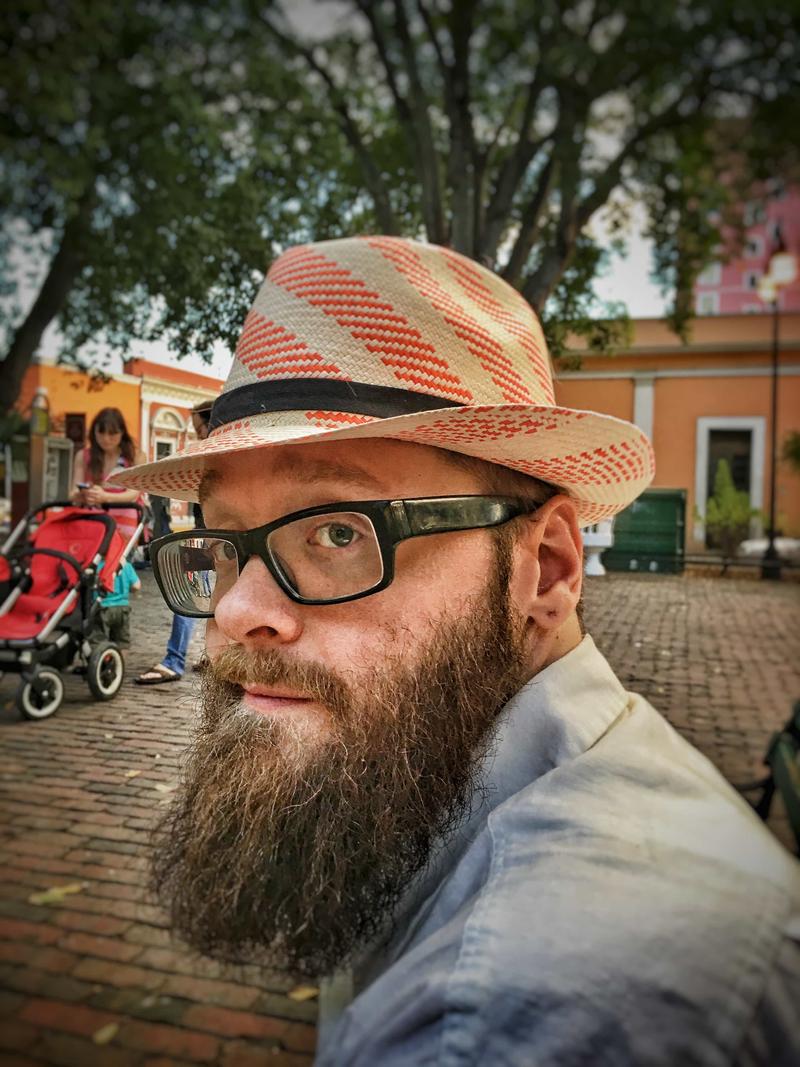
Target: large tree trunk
[{"x": 64, "y": 269}]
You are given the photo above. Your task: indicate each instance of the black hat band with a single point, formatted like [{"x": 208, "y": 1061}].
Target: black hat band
[{"x": 325, "y": 394}]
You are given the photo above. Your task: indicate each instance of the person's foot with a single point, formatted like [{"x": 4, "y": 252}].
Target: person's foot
[{"x": 157, "y": 675}]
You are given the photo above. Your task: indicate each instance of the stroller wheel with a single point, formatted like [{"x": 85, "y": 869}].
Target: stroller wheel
[
  {"x": 40, "y": 695},
  {"x": 105, "y": 671}
]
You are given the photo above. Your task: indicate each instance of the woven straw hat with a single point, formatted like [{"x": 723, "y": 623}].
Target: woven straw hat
[{"x": 382, "y": 337}]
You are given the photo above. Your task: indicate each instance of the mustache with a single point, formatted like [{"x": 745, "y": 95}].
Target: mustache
[{"x": 234, "y": 667}]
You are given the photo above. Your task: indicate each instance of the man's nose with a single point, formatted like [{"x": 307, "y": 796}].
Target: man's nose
[{"x": 256, "y": 612}]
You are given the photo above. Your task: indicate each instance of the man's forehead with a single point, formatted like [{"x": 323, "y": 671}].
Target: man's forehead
[
  {"x": 375, "y": 467},
  {"x": 295, "y": 464}
]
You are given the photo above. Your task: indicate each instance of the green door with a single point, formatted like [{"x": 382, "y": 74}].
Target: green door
[{"x": 649, "y": 535}]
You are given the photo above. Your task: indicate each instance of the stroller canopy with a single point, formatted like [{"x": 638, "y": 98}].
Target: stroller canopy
[{"x": 60, "y": 550}]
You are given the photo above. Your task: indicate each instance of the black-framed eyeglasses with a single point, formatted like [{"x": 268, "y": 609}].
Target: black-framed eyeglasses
[{"x": 322, "y": 555}]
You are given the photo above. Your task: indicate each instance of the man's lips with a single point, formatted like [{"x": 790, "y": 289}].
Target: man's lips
[
  {"x": 273, "y": 699},
  {"x": 274, "y": 691}
]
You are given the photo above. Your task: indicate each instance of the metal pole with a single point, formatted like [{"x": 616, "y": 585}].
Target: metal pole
[{"x": 771, "y": 564}]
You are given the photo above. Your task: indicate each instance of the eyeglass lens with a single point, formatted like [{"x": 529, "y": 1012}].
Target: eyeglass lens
[{"x": 321, "y": 557}]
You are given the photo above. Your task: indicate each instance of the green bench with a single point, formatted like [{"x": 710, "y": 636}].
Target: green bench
[{"x": 783, "y": 760}]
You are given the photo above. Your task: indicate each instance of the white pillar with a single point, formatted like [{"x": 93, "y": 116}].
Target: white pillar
[
  {"x": 644, "y": 403},
  {"x": 144, "y": 444}
]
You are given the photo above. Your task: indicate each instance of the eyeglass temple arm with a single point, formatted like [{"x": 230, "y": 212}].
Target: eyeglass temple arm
[{"x": 443, "y": 514}]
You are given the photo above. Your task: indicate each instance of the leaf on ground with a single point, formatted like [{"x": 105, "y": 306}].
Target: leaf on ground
[
  {"x": 105, "y": 1034},
  {"x": 131, "y": 774},
  {"x": 303, "y": 992},
  {"x": 165, "y": 787},
  {"x": 56, "y": 893}
]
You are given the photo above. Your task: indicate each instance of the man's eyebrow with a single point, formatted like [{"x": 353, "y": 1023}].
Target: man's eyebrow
[
  {"x": 319, "y": 469},
  {"x": 307, "y": 471},
  {"x": 208, "y": 484}
]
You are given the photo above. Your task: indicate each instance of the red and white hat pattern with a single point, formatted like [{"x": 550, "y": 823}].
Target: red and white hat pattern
[{"x": 383, "y": 337}]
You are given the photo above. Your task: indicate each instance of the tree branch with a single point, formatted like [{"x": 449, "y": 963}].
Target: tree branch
[
  {"x": 372, "y": 176},
  {"x": 65, "y": 267},
  {"x": 609, "y": 179},
  {"x": 566, "y": 157},
  {"x": 369, "y": 10},
  {"x": 511, "y": 174},
  {"x": 461, "y": 169},
  {"x": 426, "y": 157},
  {"x": 425, "y": 15},
  {"x": 529, "y": 225}
]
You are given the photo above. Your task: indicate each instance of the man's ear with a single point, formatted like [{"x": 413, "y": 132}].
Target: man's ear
[{"x": 547, "y": 576}]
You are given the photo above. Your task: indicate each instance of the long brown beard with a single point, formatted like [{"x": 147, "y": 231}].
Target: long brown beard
[{"x": 293, "y": 851}]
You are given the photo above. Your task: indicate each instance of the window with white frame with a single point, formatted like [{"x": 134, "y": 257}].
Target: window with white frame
[
  {"x": 166, "y": 419},
  {"x": 710, "y": 275},
  {"x": 707, "y": 304},
  {"x": 754, "y": 247},
  {"x": 165, "y": 432},
  {"x": 754, "y": 213},
  {"x": 745, "y": 440},
  {"x": 750, "y": 280}
]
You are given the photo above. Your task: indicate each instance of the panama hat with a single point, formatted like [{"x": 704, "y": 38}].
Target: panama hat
[{"x": 383, "y": 337}]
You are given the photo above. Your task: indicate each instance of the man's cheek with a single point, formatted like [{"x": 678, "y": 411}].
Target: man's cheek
[{"x": 215, "y": 640}]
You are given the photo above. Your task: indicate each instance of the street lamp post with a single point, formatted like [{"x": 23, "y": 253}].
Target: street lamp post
[
  {"x": 782, "y": 271},
  {"x": 771, "y": 561}
]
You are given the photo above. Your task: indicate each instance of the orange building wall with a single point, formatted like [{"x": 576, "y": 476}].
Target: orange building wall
[
  {"x": 73, "y": 391},
  {"x": 680, "y": 402},
  {"x": 612, "y": 396}
]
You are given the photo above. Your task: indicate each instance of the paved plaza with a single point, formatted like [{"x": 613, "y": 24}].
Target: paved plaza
[{"x": 90, "y": 976}]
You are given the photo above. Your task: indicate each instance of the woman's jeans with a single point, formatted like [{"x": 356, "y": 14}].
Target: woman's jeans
[{"x": 180, "y": 635}]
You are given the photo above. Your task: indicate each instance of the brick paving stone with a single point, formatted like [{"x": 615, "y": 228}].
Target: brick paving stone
[
  {"x": 172, "y": 1040},
  {"x": 68, "y": 1051},
  {"x": 720, "y": 659}
]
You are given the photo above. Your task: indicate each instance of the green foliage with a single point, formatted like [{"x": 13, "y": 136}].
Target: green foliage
[
  {"x": 728, "y": 512},
  {"x": 123, "y": 136},
  {"x": 791, "y": 450},
  {"x": 502, "y": 128},
  {"x": 11, "y": 423}
]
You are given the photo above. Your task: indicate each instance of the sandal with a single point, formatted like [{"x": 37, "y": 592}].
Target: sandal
[{"x": 157, "y": 676}]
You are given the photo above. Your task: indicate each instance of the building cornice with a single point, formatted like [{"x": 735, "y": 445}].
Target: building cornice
[
  {"x": 158, "y": 391},
  {"x": 784, "y": 371}
]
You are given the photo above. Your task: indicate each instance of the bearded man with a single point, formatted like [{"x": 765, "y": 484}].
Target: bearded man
[{"x": 414, "y": 774}]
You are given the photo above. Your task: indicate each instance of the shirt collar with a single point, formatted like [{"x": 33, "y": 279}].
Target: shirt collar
[{"x": 559, "y": 714}]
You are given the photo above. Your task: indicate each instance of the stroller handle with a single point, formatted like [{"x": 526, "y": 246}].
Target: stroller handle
[{"x": 130, "y": 505}]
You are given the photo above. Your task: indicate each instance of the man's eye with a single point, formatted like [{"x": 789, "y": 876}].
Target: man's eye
[
  {"x": 222, "y": 552},
  {"x": 334, "y": 535}
]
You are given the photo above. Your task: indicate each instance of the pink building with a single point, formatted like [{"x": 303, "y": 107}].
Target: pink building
[{"x": 732, "y": 288}]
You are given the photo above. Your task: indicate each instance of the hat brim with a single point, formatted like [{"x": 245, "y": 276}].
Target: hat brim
[{"x": 602, "y": 462}]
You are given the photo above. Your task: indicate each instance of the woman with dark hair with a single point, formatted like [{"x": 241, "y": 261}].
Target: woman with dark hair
[{"x": 110, "y": 447}]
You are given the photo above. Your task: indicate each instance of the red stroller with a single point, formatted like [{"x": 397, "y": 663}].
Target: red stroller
[{"x": 49, "y": 568}]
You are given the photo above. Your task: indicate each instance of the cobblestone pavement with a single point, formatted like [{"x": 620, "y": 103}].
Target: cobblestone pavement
[{"x": 93, "y": 978}]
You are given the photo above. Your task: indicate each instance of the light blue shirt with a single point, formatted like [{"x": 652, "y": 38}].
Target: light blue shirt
[
  {"x": 125, "y": 579},
  {"x": 612, "y": 902}
]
